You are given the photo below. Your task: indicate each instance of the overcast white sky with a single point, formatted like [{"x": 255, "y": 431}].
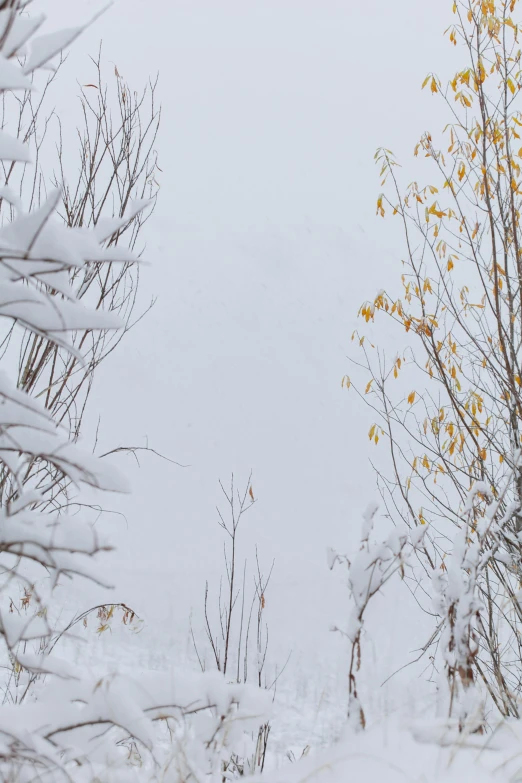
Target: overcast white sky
[{"x": 264, "y": 244}]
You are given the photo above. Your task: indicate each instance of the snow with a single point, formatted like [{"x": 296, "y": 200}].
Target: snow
[
  {"x": 45, "y": 47},
  {"x": 19, "y": 30},
  {"x": 258, "y": 262},
  {"x": 13, "y": 149},
  {"x": 11, "y": 77}
]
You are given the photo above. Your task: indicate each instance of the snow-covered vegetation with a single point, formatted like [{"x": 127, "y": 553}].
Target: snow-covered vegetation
[{"x": 422, "y": 677}]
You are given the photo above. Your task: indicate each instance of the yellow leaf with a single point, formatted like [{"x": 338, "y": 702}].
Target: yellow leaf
[
  {"x": 501, "y": 458},
  {"x": 411, "y": 398},
  {"x": 511, "y": 86},
  {"x": 368, "y": 386},
  {"x": 434, "y": 87},
  {"x": 450, "y": 265},
  {"x": 372, "y": 431}
]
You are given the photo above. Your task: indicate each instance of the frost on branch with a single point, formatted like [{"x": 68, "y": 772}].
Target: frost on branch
[{"x": 75, "y": 728}]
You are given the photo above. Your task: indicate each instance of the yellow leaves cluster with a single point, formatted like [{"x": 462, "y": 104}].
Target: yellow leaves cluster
[
  {"x": 480, "y": 74},
  {"x": 465, "y": 99},
  {"x": 477, "y": 404},
  {"x": 441, "y": 248},
  {"x": 434, "y": 82},
  {"x": 361, "y": 339},
  {"x": 424, "y": 462},
  {"x": 373, "y": 434},
  {"x": 451, "y": 258},
  {"x": 387, "y": 158},
  {"x": 435, "y": 210},
  {"x": 493, "y": 25},
  {"x": 367, "y": 311}
]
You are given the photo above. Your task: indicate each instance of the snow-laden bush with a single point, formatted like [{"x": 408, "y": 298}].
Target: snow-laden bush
[
  {"x": 461, "y": 613},
  {"x": 74, "y": 727}
]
